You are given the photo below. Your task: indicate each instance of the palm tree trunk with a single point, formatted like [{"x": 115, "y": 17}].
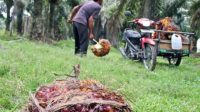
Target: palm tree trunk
[
  {"x": 9, "y": 4},
  {"x": 20, "y": 21},
  {"x": 51, "y": 19},
  {"x": 37, "y": 31},
  {"x": 149, "y": 9}
]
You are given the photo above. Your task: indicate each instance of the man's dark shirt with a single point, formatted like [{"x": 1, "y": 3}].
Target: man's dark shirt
[{"x": 87, "y": 9}]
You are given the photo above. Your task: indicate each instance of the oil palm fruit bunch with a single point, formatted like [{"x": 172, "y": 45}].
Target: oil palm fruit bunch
[{"x": 101, "y": 48}]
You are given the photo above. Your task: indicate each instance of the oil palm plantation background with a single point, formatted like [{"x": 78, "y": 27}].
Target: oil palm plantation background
[
  {"x": 25, "y": 65},
  {"x": 195, "y": 14}
]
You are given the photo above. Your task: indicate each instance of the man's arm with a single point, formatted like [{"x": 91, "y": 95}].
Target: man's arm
[
  {"x": 74, "y": 12},
  {"x": 91, "y": 22},
  {"x": 91, "y": 27}
]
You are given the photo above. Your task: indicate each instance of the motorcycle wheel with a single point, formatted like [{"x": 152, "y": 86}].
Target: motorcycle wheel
[
  {"x": 150, "y": 57},
  {"x": 125, "y": 51},
  {"x": 175, "y": 61}
]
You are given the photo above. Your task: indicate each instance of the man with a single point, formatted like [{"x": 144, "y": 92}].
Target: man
[{"x": 83, "y": 17}]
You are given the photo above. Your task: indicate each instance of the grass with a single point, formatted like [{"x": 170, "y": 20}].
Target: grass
[{"x": 26, "y": 65}]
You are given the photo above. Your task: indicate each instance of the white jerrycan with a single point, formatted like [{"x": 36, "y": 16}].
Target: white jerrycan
[
  {"x": 198, "y": 45},
  {"x": 176, "y": 42}
]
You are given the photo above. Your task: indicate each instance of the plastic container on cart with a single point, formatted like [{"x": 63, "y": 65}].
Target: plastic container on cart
[
  {"x": 176, "y": 42},
  {"x": 198, "y": 45}
]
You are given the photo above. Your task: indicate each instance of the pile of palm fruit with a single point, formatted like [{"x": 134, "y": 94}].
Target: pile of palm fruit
[
  {"x": 166, "y": 24},
  {"x": 74, "y": 95}
]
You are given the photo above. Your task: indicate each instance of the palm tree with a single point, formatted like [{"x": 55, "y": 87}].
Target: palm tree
[
  {"x": 37, "y": 31},
  {"x": 9, "y": 4},
  {"x": 170, "y": 7},
  {"x": 19, "y": 4},
  {"x": 150, "y": 9},
  {"x": 114, "y": 24},
  {"x": 53, "y": 5},
  {"x": 195, "y": 13}
]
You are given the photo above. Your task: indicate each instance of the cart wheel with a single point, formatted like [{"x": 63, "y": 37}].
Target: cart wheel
[
  {"x": 150, "y": 57},
  {"x": 175, "y": 61}
]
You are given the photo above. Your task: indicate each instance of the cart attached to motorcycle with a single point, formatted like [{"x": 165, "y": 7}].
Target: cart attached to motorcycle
[{"x": 177, "y": 46}]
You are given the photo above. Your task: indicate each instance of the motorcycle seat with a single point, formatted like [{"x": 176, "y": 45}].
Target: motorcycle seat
[{"x": 131, "y": 34}]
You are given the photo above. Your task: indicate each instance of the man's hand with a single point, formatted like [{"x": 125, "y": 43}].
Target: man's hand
[
  {"x": 91, "y": 36},
  {"x": 69, "y": 21}
]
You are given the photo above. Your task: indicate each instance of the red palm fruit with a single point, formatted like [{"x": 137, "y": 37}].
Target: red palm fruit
[
  {"x": 44, "y": 89},
  {"x": 107, "y": 108},
  {"x": 84, "y": 109},
  {"x": 35, "y": 110},
  {"x": 79, "y": 107},
  {"x": 54, "y": 88},
  {"x": 54, "y": 94},
  {"x": 65, "y": 90},
  {"x": 64, "y": 110},
  {"x": 40, "y": 95}
]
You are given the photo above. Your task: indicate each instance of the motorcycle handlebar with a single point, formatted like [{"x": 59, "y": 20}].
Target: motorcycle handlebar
[{"x": 130, "y": 21}]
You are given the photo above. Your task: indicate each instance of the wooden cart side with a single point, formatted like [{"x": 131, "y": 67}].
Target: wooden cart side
[{"x": 166, "y": 45}]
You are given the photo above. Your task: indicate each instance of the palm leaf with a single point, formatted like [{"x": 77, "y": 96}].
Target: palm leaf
[
  {"x": 171, "y": 8},
  {"x": 195, "y": 19},
  {"x": 194, "y": 7}
]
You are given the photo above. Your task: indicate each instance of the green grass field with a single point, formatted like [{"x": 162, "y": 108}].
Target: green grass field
[{"x": 26, "y": 65}]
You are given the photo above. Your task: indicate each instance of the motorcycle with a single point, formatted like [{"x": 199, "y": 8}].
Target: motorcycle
[{"x": 138, "y": 44}]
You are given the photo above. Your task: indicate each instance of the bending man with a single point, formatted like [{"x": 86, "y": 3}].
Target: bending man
[{"x": 83, "y": 17}]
